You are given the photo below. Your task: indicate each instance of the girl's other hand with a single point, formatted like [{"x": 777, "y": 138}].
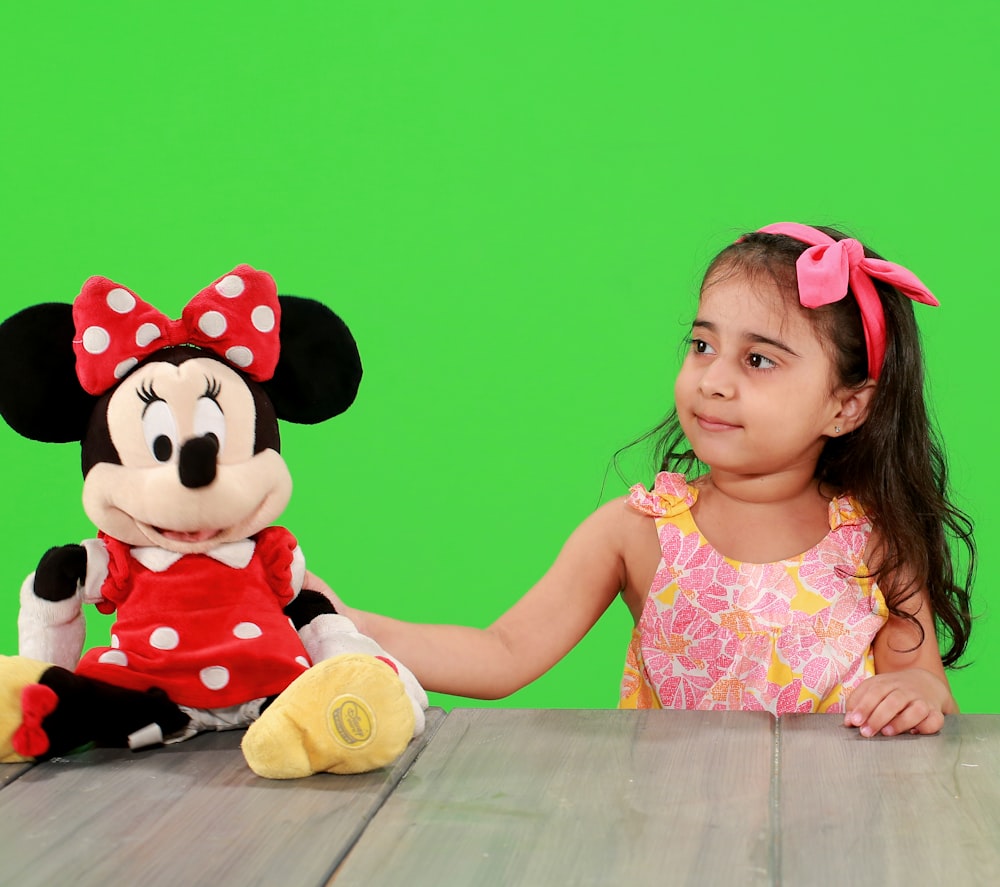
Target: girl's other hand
[{"x": 908, "y": 701}]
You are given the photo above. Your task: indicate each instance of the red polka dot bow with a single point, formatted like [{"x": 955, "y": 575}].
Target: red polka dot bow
[{"x": 237, "y": 317}]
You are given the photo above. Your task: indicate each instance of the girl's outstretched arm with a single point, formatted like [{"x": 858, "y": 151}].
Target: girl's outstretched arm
[
  {"x": 909, "y": 692},
  {"x": 533, "y": 634}
]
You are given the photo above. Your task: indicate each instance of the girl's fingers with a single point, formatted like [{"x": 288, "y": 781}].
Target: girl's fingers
[
  {"x": 860, "y": 704},
  {"x": 883, "y": 713},
  {"x": 892, "y": 704},
  {"x": 916, "y": 718},
  {"x": 897, "y": 714}
]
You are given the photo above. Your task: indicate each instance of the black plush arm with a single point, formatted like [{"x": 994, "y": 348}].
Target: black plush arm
[{"x": 59, "y": 571}]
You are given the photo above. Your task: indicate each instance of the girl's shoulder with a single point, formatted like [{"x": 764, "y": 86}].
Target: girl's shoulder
[{"x": 671, "y": 494}]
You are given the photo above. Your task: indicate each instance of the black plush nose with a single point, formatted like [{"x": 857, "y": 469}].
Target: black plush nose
[{"x": 198, "y": 460}]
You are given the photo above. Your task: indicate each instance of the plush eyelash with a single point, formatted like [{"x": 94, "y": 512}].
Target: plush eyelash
[
  {"x": 212, "y": 388},
  {"x": 147, "y": 394}
]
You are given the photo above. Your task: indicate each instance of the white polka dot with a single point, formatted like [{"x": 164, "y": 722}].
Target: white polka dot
[
  {"x": 240, "y": 356},
  {"x": 215, "y": 677},
  {"x": 212, "y": 323},
  {"x": 125, "y": 367},
  {"x": 262, "y": 318},
  {"x": 247, "y": 631},
  {"x": 164, "y": 638},
  {"x": 301, "y": 660},
  {"x": 96, "y": 340},
  {"x": 230, "y": 286},
  {"x": 121, "y": 301},
  {"x": 115, "y": 642},
  {"x": 113, "y": 657},
  {"x": 147, "y": 333}
]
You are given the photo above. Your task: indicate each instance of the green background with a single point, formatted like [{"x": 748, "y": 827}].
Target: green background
[{"x": 511, "y": 204}]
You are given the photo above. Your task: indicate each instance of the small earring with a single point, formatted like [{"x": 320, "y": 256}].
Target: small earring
[{"x": 836, "y": 429}]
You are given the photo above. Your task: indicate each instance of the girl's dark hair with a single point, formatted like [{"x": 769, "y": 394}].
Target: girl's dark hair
[{"x": 893, "y": 464}]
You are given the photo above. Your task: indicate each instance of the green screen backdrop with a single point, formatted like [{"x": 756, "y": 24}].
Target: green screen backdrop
[{"x": 511, "y": 204}]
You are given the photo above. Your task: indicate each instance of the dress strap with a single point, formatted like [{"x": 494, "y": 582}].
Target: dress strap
[
  {"x": 671, "y": 495},
  {"x": 845, "y": 511}
]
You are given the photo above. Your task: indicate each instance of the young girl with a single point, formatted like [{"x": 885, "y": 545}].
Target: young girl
[{"x": 805, "y": 565}]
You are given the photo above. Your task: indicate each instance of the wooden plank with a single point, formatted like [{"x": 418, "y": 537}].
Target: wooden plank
[
  {"x": 508, "y": 797},
  {"x": 10, "y": 772},
  {"x": 191, "y": 813},
  {"x": 905, "y": 810}
]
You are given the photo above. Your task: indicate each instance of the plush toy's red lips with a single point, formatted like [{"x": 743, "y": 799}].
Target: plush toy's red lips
[{"x": 192, "y": 536}]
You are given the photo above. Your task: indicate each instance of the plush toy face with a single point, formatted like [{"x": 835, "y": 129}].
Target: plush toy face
[
  {"x": 192, "y": 475},
  {"x": 179, "y": 448}
]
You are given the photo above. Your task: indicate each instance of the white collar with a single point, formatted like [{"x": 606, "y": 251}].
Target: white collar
[{"x": 233, "y": 554}]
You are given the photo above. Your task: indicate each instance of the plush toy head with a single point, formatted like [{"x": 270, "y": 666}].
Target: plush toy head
[{"x": 178, "y": 419}]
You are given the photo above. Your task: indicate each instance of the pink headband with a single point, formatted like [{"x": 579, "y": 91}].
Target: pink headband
[
  {"x": 825, "y": 270},
  {"x": 237, "y": 317}
]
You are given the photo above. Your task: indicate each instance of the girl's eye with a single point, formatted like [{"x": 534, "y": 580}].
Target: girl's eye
[
  {"x": 759, "y": 362},
  {"x": 700, "y": 346}
]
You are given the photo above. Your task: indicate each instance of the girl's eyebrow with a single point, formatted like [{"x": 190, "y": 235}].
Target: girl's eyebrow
[{"x": 754, "y": 338}]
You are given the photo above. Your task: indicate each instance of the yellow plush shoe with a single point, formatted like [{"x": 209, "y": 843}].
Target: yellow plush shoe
[
  {"x": 348, "y": 714},
  {"x": 16, "y": 673}
]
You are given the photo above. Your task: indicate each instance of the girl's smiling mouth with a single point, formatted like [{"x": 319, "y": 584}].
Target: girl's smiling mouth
[{"x": 711, "y": 423}]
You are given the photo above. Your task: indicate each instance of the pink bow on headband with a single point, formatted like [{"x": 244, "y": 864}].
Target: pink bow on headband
[
  {"x": 237, "y": 317},
  {"x": 825, "y": 270}
]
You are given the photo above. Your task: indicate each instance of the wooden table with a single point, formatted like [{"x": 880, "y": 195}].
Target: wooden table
[
  {"x": 907, "y": 810},
  {"x": 501, "y": 796},
  {"x": 187, "y": 814},
  {"x": 609, "y": 798}
]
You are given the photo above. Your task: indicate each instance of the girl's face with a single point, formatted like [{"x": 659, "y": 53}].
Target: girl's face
[{"x": 757, "y": 393}]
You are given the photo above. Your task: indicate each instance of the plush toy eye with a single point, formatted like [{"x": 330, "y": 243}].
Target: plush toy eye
[
  {"x": 208, "y": 419},
  {"x": 160, "y": 430}
]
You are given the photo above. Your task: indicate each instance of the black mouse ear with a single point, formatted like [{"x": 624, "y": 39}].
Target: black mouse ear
[
  {"x": 40, "y": 395},
  {"x": 319, "y": 369}
]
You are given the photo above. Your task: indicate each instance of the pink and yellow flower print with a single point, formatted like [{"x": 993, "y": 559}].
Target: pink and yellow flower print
[{"x": 793, "y": 636}]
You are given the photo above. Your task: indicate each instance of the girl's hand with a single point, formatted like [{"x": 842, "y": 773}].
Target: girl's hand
[{"x": 909, "y": 701}]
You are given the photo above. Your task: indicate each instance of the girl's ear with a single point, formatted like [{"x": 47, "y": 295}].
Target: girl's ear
[
  {"x": 40, "y": 395},
  {"x": 319, "y": 370},
  {"x": 854, "y": 404}
]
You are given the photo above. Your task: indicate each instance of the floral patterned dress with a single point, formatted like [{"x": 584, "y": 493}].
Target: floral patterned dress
[{"x": 792, "y": 636}]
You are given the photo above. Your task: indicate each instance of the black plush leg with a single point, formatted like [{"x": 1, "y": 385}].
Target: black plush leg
[{"x": 89, "y": 710}]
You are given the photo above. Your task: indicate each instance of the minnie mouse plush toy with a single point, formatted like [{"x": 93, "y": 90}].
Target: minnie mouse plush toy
[{"x": 183, "y": 478}]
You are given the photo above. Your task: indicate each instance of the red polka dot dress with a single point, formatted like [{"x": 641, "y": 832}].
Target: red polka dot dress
[{"x": 209, "y": 634}]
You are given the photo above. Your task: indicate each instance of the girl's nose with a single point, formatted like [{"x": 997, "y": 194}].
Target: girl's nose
[{"x": 717, "y": 380}]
